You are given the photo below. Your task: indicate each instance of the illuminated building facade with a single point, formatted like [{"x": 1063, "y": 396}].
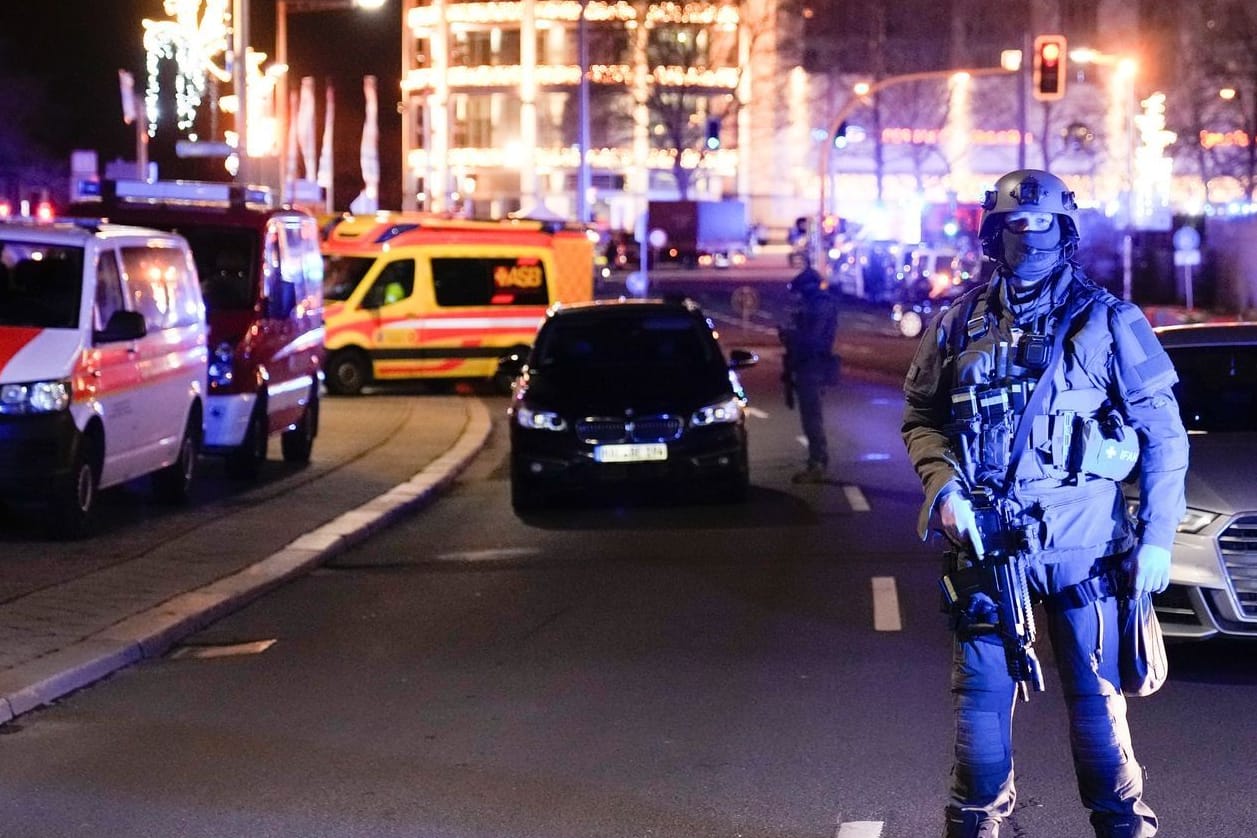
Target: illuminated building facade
[
  {"x": 491, "y": 93},
  {"x": 492, "y": 118}
]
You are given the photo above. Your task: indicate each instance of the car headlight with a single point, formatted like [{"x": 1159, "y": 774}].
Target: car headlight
[
  {"x": 729, "y": 410},
  {"x": 1192, "y": 522},
  {"x": 221, "y": 361},
  {"x": 539, "y": 420},
  {"x": 35, "y": 397},
  {"x": 1195, "y": 520}
]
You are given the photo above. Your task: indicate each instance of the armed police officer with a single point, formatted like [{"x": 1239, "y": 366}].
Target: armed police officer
[
  {"x": 1027, "y": 402},
  {"x": 810, "y": 364}
]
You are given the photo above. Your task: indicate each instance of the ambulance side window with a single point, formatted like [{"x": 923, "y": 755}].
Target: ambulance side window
[
  {"x": 108, "y": 290},
  {"x": 395, "y": 282},
  {"x": 494, "y": 281}
]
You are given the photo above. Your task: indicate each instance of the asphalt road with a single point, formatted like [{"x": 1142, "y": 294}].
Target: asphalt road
[{"x": 620, "y": 667}]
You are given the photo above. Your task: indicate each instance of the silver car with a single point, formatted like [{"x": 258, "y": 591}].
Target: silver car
[{"x": 1213, "y": 580}]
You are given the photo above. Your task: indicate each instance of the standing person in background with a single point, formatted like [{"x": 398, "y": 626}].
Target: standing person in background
[
  {"x": 809, "y": 363},
  {"x": 1070, "y": 388}
]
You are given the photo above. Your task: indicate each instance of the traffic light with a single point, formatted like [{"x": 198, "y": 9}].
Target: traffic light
[
  {"x": 1049, "y": 67},
  {"x": 713, "y": 133}
]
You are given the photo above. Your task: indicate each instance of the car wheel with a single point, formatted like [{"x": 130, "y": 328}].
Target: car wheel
[
  {"x": 527, "y": 495},
  {"x": 245, "y": 461},
  {"x": 73, "y": 503},
  {"x": 347, "y": 373},
  {"x": 297, "y": 443},
  {"x": 173, "y": 484}
]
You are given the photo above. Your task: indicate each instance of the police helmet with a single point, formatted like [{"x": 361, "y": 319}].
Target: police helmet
[
  {"x": 1028, "y": 190},
  {"x": 806, "y": 281}
]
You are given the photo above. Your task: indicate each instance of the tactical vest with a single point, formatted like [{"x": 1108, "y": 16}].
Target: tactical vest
[{"x": 1075, "y": 436}]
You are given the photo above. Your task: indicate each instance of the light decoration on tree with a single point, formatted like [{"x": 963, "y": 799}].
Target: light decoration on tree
[{"x": 194, "y": 39}]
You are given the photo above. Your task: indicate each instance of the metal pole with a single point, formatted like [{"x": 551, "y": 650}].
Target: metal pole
[
  {"x": 281, "y": 96},
  {"x": 240, "y": 82},
  {"x": 1022, "y": 106},
  {"x": 582, "y": 172}
]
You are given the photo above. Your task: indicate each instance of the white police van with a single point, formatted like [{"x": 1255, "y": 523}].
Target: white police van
[{"x": 103, "y": 356}]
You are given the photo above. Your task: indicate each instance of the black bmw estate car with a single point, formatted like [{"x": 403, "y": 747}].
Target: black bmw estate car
[{"x": 626, "y": 391}]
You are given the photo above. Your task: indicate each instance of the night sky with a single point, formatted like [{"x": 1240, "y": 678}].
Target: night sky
[{"x": 59, "y": 62}]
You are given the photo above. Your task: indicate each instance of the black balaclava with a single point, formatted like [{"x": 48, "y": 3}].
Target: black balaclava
[{"x": 1032, "y": 257}]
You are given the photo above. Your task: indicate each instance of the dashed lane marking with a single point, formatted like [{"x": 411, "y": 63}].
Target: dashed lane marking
[
  {"x": 860, "y": 829},
  {"x": 855, "y": 498},
  {"x": 886, "y": 604}
]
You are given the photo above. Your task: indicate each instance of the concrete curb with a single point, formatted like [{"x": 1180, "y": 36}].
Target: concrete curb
[{"x": 150, "y": 633}]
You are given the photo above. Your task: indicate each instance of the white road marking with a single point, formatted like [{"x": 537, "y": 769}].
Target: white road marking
[
  {"x": 874, "y": 457},
  {"x": 860, "y": 829},
  {"x": 490, "y": 555},
  {"x": 802, "y": 440},
  {"x": 756, "y": 412},
  {"x": 856, "y": 498},
  {"x": 885, "y": 604}
]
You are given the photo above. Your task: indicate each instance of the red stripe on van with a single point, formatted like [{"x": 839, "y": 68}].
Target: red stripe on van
[{"x": 13, "y": 339}]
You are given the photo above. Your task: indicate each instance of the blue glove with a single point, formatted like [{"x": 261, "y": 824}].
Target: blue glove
[
  {"x": 1148, "y": 569},
  {"x": 955, "y": 511}
]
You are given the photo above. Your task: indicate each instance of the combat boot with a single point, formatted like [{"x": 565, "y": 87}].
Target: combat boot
[
  {"x": 970, "y": 825},
  {"x": 1126, "y": 826}
]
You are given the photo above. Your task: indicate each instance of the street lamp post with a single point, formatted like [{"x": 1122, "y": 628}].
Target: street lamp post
[
  {"x": 1123, "y": 103},
  {"x": 1248, "y": 124},
  {"x": 284, "y": 8}
]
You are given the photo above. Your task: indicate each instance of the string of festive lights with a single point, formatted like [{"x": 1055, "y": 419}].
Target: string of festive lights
[{"x": 193, "y": 38}]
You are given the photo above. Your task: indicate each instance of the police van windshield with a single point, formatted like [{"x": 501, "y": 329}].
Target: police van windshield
[
  {"x": 40, "y": 285},
  {"x": 1217, "y": 389},
  {"x": 226, "y": 261}
]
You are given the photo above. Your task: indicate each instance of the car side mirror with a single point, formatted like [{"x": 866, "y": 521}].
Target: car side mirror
[
  {"x": 510, "y": 366},
  {"x": 122, "y": 325},
  {"x": 741, "y": 358}
]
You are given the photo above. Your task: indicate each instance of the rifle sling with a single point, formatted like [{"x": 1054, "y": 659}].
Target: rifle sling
[{"x": 1025, "y": 421}]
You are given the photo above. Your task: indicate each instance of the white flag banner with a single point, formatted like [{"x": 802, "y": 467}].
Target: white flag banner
[
  {"x": 126, "y": 83},
  {"x": 325, "y": 156},
  {"x": 290, "y": 159},
  {"x": 369, "y": 154},
  {"x": 305, "y": 130}
]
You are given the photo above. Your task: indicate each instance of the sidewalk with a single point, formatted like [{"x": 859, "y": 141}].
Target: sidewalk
[{"x": 61, "y": 638}]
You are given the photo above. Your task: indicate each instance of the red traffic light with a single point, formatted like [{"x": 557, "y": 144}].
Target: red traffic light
[{"x": 1049, "y": 67}]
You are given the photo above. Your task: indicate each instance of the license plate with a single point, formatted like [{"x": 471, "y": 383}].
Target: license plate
[{"x": 631, "y": 452}]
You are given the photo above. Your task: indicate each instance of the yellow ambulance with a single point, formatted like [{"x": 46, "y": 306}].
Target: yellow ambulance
[{"x": 410, "y": 296}]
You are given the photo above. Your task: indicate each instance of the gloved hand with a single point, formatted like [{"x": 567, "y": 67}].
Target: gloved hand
[
  {"x": 955, "y": 511},
  {"x": 1148, "y": 568}
]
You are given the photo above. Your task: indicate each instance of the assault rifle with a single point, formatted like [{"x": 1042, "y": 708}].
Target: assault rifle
[
  {"x": 988, "y": 594},
  {"x": 787, "y": 378}
]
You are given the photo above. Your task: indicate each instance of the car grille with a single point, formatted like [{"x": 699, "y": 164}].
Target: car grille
[
  {"x": 597, "y": 430},
  {"x": 1239, "y": 555}
]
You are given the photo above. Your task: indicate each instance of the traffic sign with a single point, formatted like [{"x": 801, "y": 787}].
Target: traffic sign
[
  {"x": 1186, "y": 238},
  {"x": 189, "y": 148}
]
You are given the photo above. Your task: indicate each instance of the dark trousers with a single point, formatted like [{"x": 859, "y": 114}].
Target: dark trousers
[
  {"x": 1085, "y": 642},
  {"x": 809, "y": 393}
]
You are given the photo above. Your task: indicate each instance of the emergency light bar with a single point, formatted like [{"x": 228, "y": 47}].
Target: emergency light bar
[{"x": 173, "y": 191}]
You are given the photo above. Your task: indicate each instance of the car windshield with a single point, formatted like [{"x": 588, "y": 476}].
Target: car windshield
[
  {"x": 226, "y": 261},
  {"x": 662, "y": 342},
  {"x": 341, "y": 275},
  {"x": 1217, "y": 389},
  {"x": 40, "y": 285}
]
